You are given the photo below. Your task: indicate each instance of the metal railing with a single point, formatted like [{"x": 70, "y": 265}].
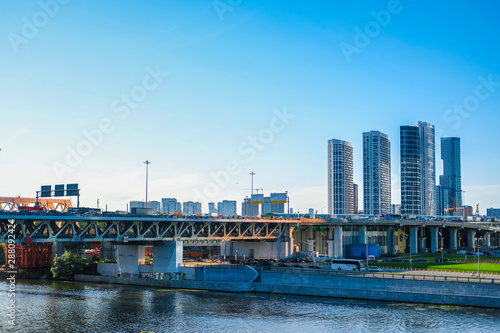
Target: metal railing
[{"x": 385, "y": 275}]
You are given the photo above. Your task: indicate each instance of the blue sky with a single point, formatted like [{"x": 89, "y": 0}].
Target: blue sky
[{"x": 209, "y": 91}]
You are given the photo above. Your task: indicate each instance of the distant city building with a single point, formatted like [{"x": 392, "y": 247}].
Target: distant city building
[
  {"x": 467, "y": 211},
  {"x": 137, "y": 204},
  {"x": 355, "y": 195},
  {"x": 340, "y": 177},
  {"x": 396, "y": 209},
  {"x": 493, "y": 212},
  {"x": 418, "y": 170},
  {"x": 376, "y": 173},
  {"x": 155, "y": 206},
  {"x": 211, "y": 208},
  {"x": 170, "y": 206},
  {"x": 275, "y": 203},
  {"x": 441, "y": 198},
  {"x": 451, "y": 180},
  {"x": 227, "y": 208},
  {"x": 191, "y": 208},
  {"x": 246, "y": 207}
]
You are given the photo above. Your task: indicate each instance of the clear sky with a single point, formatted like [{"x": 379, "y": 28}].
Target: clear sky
[{"x": 209, "y": 91}]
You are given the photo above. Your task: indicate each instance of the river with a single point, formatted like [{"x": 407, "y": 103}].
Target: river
[{"x": 47, "y": 306}]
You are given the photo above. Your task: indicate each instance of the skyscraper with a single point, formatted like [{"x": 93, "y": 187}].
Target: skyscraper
[
  {"x": 340, "y": 175},
  {"x": 411, "y": 188},
  {"x": 376, "y": 173},
  {"x": 428, "y": 160},
  {"x": 418, "y": 169},
  {"x": 451, "y": 180}
]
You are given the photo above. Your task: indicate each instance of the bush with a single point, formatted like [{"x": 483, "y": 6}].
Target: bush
[{"x": 66, "y": 266}]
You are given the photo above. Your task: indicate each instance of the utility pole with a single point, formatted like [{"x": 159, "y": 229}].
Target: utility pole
[
  {"x": 252, "y": 174},
  {"x": 147, "y": 167}
]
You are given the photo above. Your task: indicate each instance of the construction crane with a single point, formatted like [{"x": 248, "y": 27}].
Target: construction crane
[{"x": 477, "y": 210}]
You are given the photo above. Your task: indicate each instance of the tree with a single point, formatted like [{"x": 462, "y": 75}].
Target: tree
[{"x": 66, "y": 266}]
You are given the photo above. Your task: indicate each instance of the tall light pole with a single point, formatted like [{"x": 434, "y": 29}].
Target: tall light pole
[
  {"x": 288, "y": 205},
  {"x": 252, "y": 174},
  {"x": 478, "y": 264},
  {"x": 147, "y": 167}
]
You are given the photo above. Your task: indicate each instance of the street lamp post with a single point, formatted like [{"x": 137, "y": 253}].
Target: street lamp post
[
  {"x": 147, "y": 167},
  {"x": 478, "y": 264}
]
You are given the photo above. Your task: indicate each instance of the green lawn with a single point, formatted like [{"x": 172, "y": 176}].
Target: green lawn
[{"x": 452, "y": 265}]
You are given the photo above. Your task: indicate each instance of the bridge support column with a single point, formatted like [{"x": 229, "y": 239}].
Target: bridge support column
[
  {"x": 362, "y": 235},
  {"x": 167, "y": 258},
  {"x": 331, "y": 244},
  {"x": 339, "y": 246},
  {"x": 453, "y": 238},
  {"x": 434, "y": 239},
  {"x": 310, "y": 239},
  {"x": 470, "y": 238},
  {"x": 128, "y": 261},
  {"x": 487, "y": 241},
  {"x": 225, "y": 249},
  {"x": 108, "y": 251},
  {"x": 289, "y": 243},
  {"x": 390, "y": 241},
  {"x": 413, "y": 239}
]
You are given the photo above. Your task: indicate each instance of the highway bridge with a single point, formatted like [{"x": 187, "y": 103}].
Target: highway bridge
[{"x": 271, "y": 237}]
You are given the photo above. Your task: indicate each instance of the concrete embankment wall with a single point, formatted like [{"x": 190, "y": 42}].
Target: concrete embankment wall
[
  {"x": 370, "y": 288},
  {"x": 175, "y": 284},
  {"x": 400, "y": 290}
]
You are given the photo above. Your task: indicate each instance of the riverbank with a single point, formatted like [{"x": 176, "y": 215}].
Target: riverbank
[{"x": 359, "y": 286}]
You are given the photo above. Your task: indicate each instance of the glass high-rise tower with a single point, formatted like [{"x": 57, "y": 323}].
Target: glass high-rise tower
[
  {"x": 340, "y": 177},
  {"x": 451, "y": 180},
  {"x": 376, "y": 173},
  {"x": 428, "y": 161},
  {"x": 418, "y": 169}
]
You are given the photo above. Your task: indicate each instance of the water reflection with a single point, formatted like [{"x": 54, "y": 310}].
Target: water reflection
[{"x": 76, "y": 307}]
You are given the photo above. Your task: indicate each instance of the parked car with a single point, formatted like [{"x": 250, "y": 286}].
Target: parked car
[
  {"x": 439, "y": 259},
  {"x": 420, "y": 260},
  {"x": 461, "y": 252},
  {"x": 374, "y": 269},
  {"x": 297, "y": 265},
  {"x": 315, "y": 267}
]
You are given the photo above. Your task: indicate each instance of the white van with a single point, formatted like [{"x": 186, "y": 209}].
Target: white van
[{"x": 371, "y": 257}]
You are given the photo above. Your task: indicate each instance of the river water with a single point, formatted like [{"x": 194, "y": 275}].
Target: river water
[{"x": 46, "y": 306}]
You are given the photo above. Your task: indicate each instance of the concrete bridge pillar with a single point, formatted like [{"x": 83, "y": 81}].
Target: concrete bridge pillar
[
  {"x": 413, "y": 239},
  {"x": 310, "y": 239},
  {"x": 331, "y": 244},
  {"x": 141, "y": 254},
  {"x": 487, "y": 240},
  {"x": 434, "y": 239},
  {"x": 390, "y": 241},
  {"x": 330, "y": 241},
  {"x": 167, "y": 258},
  {"x": 470, "y": 238},
  {"x": 339, "y": 246},
  {"x": 453, "y": 238},
  {"x": 128, "y": 260},
  {"x": 289, "y": 244},
  {"x": 362, "y": 235}
]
